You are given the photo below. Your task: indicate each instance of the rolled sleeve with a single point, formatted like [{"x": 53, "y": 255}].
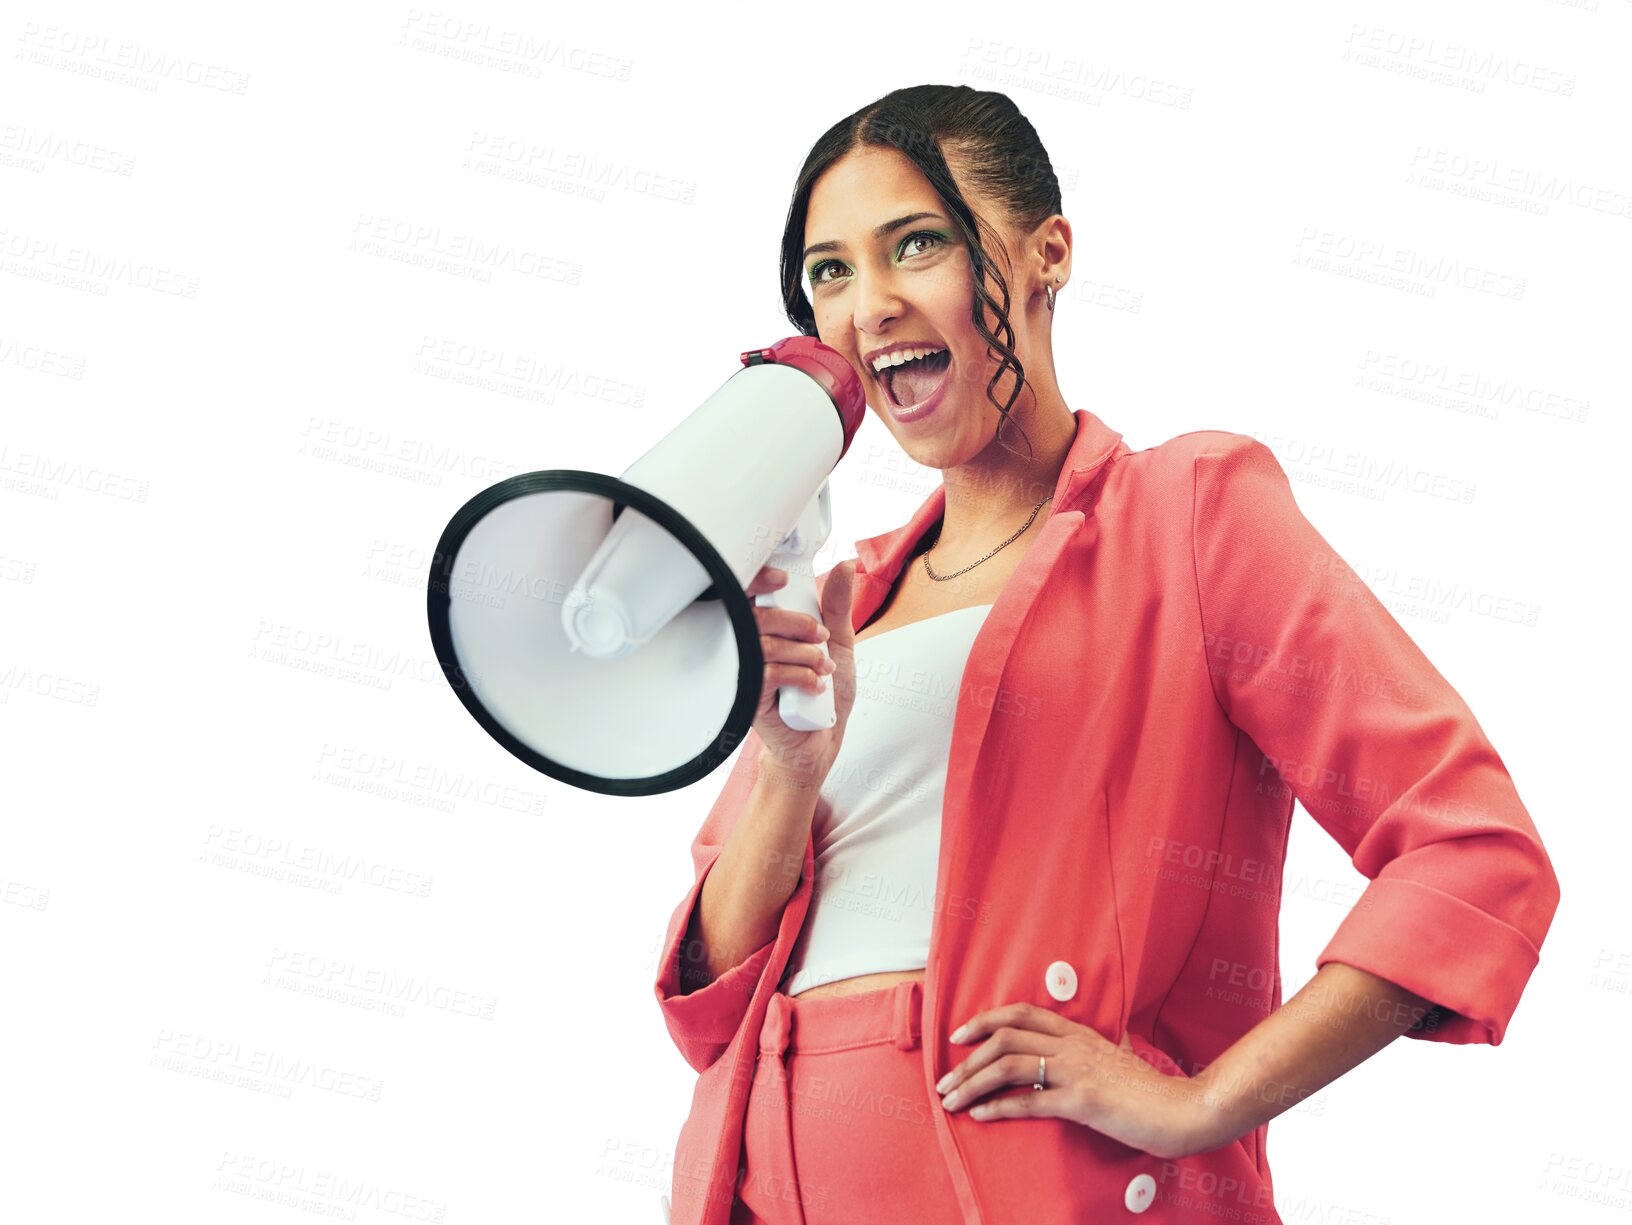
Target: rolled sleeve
[
  {"x": 703, "y": 1021},
  {"x": 1376, "y": 745}
]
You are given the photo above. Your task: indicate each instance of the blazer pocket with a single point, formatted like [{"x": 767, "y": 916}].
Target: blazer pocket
[
  {"x": 1156, "y": 1058},
  {"x": 1245, "y": 1146}
]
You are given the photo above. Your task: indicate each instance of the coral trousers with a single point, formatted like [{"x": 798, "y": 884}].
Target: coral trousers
[{"x": 839, "y": 1124}]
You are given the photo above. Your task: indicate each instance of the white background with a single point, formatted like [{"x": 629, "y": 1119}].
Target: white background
[{"x": 249, "y": 370}]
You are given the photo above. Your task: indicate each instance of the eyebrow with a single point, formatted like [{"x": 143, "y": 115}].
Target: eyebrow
[{"x": 878, "y": 232}]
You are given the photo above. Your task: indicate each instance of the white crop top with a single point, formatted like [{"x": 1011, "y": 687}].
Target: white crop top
[{"x": 877, "y": 825}]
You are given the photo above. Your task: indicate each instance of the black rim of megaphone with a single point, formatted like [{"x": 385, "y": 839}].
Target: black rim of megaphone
[{"x": 738, "y": 606}]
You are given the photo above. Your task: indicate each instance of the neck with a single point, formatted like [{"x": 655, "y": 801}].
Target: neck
[{"x": 989, "y": 497}]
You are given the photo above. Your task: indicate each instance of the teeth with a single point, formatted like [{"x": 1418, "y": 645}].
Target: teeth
[{"x": 902, "y": 355}]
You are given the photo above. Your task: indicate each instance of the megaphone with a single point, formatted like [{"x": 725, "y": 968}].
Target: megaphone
[{"x": 598, "y": 628}]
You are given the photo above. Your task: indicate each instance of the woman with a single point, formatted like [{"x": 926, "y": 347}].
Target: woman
[{"x": 1152, "y": 653}]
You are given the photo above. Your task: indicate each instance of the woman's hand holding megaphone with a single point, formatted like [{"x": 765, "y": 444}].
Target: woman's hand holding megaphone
[{"x": 792, "y": 644}]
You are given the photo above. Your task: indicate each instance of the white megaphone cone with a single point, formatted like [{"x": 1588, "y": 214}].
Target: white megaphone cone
[{"x": 598, "y": 627}]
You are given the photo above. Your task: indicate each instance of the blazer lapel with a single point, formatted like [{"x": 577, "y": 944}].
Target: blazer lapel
[
  {"x": 878, "y": 564},
  {"x": 879, "y": 558}
]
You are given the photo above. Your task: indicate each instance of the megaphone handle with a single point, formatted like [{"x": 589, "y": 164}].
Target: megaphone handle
[{"x": 800, "y": 709}]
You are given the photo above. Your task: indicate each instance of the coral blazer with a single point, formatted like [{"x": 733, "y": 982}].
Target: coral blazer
[{"x": 1177, "y": 657}]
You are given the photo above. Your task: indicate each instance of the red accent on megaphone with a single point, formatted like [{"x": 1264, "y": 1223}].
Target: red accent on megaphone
[{"x": 827, "y": 366}]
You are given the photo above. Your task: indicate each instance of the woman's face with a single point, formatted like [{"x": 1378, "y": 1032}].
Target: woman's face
[{"x": 898, "y": 274}]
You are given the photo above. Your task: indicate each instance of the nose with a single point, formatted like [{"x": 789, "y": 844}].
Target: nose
[{"x": 877, "y": 302}]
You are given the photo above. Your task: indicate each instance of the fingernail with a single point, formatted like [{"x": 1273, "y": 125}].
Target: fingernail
[
  {"x": 958, "y": 1033},
  {"x": 945, "y": 1083},
  {"x": 823, "y": 633}
]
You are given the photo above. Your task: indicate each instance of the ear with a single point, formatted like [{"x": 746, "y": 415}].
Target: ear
[{"x": 1051, "y": 245}]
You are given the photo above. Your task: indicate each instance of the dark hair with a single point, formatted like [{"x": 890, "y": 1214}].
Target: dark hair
[{"x": 997, "y": 150}]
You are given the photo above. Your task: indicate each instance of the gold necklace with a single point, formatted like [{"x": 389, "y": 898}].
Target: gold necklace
[{"x": 941, "y": 578}]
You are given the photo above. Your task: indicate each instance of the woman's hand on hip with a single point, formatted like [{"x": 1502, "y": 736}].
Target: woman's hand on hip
[{"x": 1088, "y": 1080}]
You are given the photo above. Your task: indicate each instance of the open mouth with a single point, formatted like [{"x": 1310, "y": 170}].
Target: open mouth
[{"x": 913, "y": 382}]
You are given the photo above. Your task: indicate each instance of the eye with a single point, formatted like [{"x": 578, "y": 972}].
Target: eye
[
  {"x": 816, "y": 277},
  {"x": 818, "y": 273},
  {"x": 912, "y": 238}
]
